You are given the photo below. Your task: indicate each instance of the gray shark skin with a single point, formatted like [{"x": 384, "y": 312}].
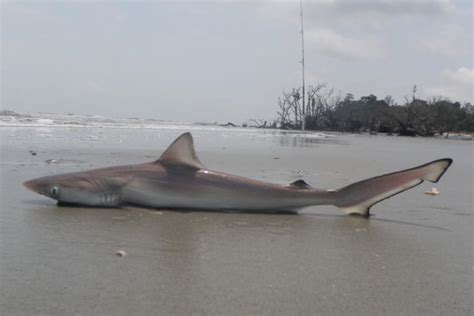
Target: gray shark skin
[{"x": 178, "y": 180}]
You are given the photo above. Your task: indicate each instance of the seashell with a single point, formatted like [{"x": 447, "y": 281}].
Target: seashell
[
  {"x": 121, "y": 253},
  {"x": 433, "y": 191}
]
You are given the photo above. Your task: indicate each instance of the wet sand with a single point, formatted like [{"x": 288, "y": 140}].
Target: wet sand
[{"x": 413, "y": 256}]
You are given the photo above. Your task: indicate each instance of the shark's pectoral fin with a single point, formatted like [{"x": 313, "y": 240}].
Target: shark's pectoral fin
[
  {"x": 181, "y": 153},
  {"x": 300, "y": 184}
]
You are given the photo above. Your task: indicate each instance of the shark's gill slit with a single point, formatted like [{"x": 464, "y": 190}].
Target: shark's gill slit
[{"x": 95, "y": 182}]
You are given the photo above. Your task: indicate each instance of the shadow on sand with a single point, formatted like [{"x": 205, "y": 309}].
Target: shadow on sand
[{"x": 41, "y": 202}]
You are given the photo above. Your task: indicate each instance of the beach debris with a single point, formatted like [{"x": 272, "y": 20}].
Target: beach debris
[
  {"x": 156, "y": 212},
  {"x": 458, "y": 136},
  {"x": 276, "y": 158},
  {"x": 121, "y": 253},
  {"x": 32, "y": 152},
  {"x": 51, "y": 161},
  {"x": 434, "y": 191}
]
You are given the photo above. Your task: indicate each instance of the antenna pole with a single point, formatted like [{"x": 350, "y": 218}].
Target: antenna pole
[{"x": 303, "y": 118}]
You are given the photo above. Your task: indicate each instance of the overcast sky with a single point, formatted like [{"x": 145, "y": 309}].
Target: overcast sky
[{"x": 226, "y": 60}]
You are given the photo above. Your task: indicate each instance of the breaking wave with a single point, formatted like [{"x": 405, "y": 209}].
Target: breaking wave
[{"x": 16, "y": 119}]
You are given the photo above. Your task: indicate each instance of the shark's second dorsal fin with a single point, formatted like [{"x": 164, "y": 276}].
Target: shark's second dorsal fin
[
  {"x": 300, "y": 184},
  {"x": 181, "y": 153}
]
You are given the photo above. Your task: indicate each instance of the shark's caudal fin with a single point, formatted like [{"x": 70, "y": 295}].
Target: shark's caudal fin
[{"x": 359, "y": 197}]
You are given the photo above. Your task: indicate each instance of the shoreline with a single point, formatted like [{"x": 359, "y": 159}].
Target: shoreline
[{"x": 196, "y": 126}]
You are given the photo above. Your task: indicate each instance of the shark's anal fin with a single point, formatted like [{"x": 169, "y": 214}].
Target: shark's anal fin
[
  {"x": 300, "y": 184},
  {"x": 181, "y": 153}
]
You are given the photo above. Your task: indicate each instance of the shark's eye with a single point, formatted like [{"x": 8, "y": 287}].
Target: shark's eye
[{"x": 54, "y": 190}]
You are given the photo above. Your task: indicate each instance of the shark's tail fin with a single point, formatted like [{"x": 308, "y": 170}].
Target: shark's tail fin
[{"x": 359, "y": 197}]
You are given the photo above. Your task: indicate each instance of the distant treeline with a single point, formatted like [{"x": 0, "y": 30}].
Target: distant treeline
[{"x": 329, "y": 112}]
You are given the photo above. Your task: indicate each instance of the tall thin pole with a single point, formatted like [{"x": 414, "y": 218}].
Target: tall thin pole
[{"x": 303, "y": 118}]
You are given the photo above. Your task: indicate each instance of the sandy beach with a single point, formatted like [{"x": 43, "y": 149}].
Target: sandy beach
[{"x": 413, "y": 256}]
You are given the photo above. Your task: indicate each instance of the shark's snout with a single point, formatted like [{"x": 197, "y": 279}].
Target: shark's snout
[{"x": 32, "y": 185}]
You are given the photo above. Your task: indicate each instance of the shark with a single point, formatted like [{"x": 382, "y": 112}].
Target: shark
[{"x": 179, "y": 181}]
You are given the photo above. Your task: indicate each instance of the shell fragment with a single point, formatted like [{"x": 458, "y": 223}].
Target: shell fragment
[{"x": 433, "y": 191}]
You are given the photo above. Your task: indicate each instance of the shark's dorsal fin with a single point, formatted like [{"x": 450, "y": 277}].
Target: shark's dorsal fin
[
  {"x": 300, "y": 184},
  {"x": 181, "y": 153}
]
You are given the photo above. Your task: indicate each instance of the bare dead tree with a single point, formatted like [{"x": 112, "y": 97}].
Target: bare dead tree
[
  {"x": 318, "y": 101},
  {"x": 259, "y": 123}
]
